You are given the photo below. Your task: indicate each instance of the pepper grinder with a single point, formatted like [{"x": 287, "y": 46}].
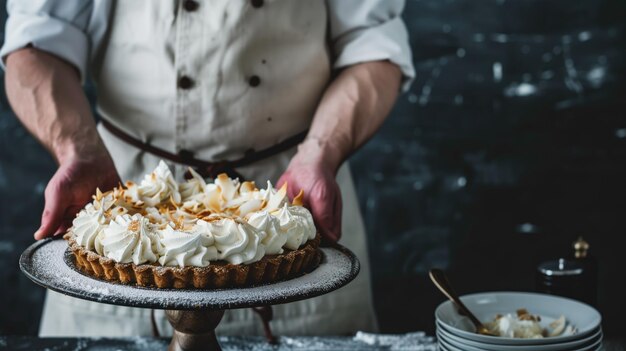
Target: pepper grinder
[
  {"x": 575, "y": 276},
  {"x": 590, "y": 275}
]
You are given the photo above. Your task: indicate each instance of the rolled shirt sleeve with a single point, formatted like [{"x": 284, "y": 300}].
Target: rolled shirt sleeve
[
  {"x": 58, "y": 27},
  {"x": 370, "y": 30}
]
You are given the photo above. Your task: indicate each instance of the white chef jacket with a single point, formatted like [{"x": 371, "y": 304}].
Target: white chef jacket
[
  {"x": 137, "y": 50},
  {"x": 359, "y": 31}
]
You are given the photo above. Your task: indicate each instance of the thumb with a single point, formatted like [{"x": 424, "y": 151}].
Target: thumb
[{"x": 53, "y": 212}]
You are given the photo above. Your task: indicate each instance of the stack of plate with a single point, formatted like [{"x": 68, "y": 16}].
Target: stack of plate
[{"x": 456, "y": 333}]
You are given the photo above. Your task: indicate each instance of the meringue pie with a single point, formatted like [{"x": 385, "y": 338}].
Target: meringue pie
[{"x": 195, "y": 234}]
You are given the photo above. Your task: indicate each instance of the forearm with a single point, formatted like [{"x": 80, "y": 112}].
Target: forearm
[
  {"x": 46, "y": 95},
  {"x": 353, "y": 107}
]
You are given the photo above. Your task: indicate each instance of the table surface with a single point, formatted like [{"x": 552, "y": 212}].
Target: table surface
[{"x": 417, "y": 341}]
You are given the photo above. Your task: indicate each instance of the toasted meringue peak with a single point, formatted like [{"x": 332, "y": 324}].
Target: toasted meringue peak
[
  {"x": 154, "y": 188},
  {"x": 130, "y": 239},
  {"x": 237, "y": 241},
  {"x": 161, "y": 221},
  {"x": 187, "y": 247}
]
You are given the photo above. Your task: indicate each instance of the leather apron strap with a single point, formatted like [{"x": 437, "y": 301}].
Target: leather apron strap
[{"x": 204, "y": 168}]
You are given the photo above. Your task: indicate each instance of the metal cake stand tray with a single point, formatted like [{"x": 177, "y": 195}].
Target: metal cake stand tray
[{"x": 194, "y": 314}]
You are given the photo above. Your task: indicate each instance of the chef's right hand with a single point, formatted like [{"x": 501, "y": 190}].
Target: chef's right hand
[
  {"x": 46, "y": 95},
  {"x": 72, "y": 186}
]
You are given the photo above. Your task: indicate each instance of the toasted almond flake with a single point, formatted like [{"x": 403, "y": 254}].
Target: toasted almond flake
[
  {"x": 133, "y": 226},
  {"x": 215, "y": 217},
  {"x": 299, "y": 199},
  {"x": 194, "y": 175},
  {"x": 247, "y": 187},
  {"x": 249, "y": 206},
  {"x": 214, "y": 201},
  {"x": 179, "y": 223},
  {"x": 98, "y": 194},
  {"x": 172, "y": 201},
  {"x": 276, "y": 198}
]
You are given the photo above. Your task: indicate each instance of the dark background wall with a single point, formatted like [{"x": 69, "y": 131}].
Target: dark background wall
[{"x": 510, "y": 144}]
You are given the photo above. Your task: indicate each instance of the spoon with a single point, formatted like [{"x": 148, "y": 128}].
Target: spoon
[{"x": 440, "y": 280}]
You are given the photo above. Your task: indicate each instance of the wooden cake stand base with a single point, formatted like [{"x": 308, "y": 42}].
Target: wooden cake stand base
[{"x": 194, "y": 330}]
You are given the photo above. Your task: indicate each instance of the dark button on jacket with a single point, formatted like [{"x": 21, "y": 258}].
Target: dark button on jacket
[
  {"x": 190, "y": 5},
  {"x": 254, "y": 81},
  {"x": 185, "y": 82}
]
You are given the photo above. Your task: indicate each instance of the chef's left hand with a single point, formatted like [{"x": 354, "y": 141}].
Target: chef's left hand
[{"x": 313, "y": 171}]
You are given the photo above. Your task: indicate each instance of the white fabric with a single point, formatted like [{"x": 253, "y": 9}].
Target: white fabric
[
  {"x": 135, "y": 66},
  {"x": 71, "y": 30},
  {"x": 220, "y": 47},
  {"x": 360, "y": 31},
  {"x": 370, "y": 30}
]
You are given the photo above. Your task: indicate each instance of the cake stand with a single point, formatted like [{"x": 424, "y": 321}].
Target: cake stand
[{"x": 194, "y": 314}]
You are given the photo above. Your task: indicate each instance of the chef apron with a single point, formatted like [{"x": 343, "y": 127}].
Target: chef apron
[{"x": 218, "y": 79}]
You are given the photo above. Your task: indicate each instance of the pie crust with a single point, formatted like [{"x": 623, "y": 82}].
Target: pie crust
[{"x": 217, "y": 275}]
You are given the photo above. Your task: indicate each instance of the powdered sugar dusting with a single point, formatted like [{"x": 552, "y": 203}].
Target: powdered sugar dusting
[
  {"x": 362, "y": 342},
  {"x": 410, "y": 341},
  {"x": 44, "y": 263}
]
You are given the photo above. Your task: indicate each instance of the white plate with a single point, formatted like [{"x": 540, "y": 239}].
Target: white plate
[
  {"x": 468, "y": 345},
  {"x": 487, "y": 305},
  {"x": 547, "y": 341},
  {"x": 471, "y": 344},
  {"x": 446, "y": 346}
]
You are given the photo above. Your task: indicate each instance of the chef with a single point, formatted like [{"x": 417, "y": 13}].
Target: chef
[{"x": 283, "y": 90}]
